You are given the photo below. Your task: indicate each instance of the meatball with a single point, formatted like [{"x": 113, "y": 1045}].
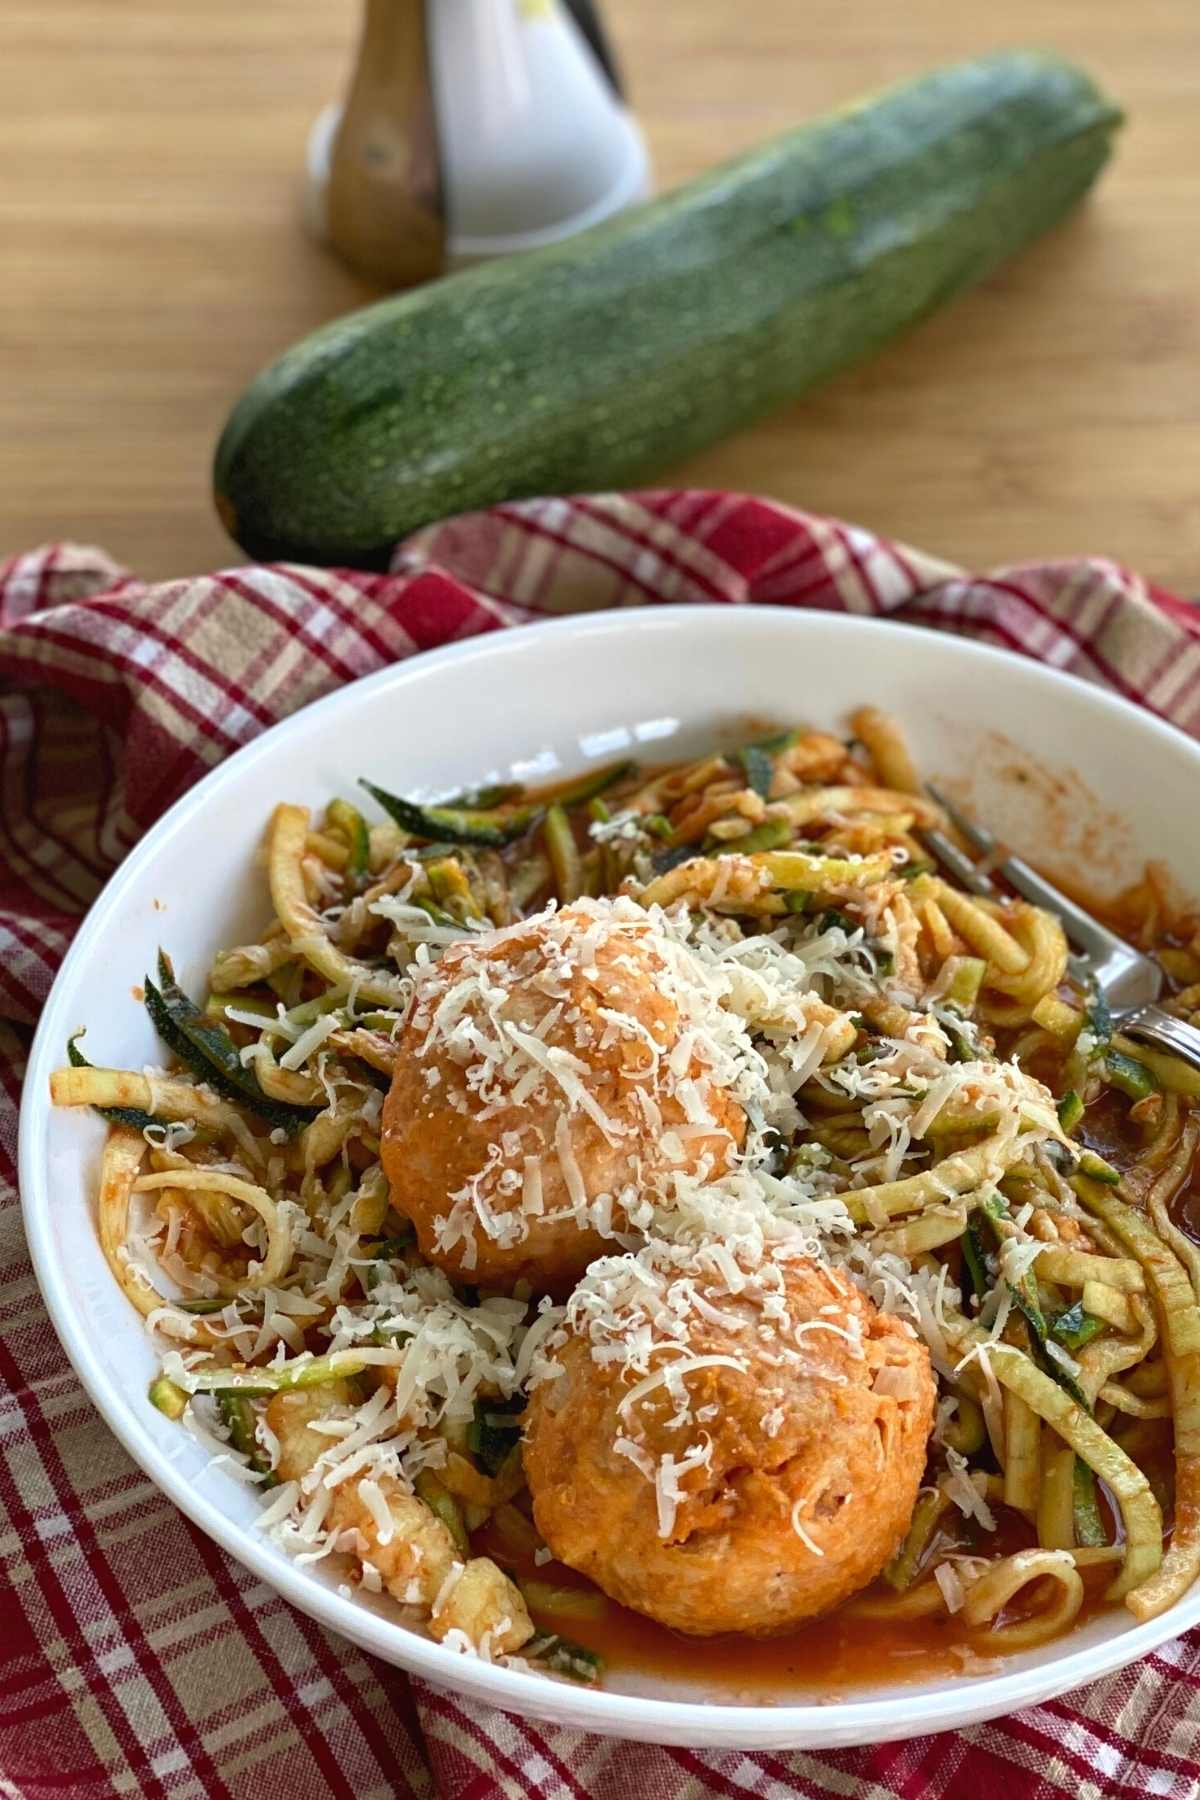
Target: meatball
[
  {"x": 765, "y": 1467},
  {"x": 551, "y": 1078}
]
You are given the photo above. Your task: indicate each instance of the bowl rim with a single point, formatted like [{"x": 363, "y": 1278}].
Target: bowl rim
[{"x": 685, "y": 1720}]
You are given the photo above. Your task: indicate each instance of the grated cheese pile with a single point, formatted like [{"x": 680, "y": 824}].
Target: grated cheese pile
[
  {"x": 651, "y": 1315},
  {"x": 694, "y": 1022}
]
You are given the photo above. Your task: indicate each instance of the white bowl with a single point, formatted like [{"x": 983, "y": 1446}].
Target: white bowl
[{"x": 529, "y": 703}]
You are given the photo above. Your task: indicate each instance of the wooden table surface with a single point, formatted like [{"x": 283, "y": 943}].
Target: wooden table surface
[{"x": 153, "y": 259}]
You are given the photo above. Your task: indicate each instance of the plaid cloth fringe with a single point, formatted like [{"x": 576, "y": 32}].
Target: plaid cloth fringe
[{"x": 135, "y": 1657}]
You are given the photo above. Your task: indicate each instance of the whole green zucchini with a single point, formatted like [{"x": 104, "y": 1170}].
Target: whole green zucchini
[{"x": 600, "y": 360}]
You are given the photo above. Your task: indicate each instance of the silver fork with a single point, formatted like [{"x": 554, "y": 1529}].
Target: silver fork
[{"x": 1130, "y": 981}]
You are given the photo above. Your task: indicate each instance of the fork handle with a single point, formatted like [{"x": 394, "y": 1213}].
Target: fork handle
[{"x": 1165, "y": 1031}]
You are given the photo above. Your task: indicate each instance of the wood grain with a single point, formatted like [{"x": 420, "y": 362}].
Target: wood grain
[{"x": 153, "y": 259}]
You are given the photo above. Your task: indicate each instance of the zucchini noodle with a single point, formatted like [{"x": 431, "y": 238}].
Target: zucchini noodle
[
  {"x": 826, "y": 803},
  {"x": 307, "y": 935},
  {"x": 1022, "y": 1452},
  {"x": 284, "y": 1084},
  {"x": 1112, "y": 1353},
  {"x": 975, "y": 924},
  {"x": 1139, "y": 1509},
  {"x": 927, "y": 1100},
  {"x": 279, "y": 1233},
  {"x": 124, "y": 1154},
  {"x": 1179, "y": 1321},
  {"x": 920, "y": 1602},
  {"x": 917, "y": 1236},
  {"x": 887, "y": 748},
  {"x": 157, "y": 1096},
  {"x": 1011, "y": 998},
  {"x": 964, "y": 1173},
  {"x": 1177, "y": 1077},
  {"x": 987, "y": 1597},
  {"x": 1056, "y": 1494}
]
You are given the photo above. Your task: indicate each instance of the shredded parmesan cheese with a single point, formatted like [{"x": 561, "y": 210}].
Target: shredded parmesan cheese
[{"x": 805, "y": 1537}]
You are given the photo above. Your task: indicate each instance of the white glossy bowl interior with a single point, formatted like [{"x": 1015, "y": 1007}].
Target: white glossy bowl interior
[{"x": 531, "y": 702}]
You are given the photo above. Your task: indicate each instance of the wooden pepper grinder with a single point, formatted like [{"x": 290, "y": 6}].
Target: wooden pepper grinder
[{"x": 472, "y": 128}]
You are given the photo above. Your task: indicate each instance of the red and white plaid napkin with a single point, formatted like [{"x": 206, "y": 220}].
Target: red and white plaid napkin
[{"x": 135, "y": 1657}]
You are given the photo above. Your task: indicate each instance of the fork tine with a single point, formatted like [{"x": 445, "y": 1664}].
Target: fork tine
[
  {"x": 974, "y": 834},
  {"x": 1084, "y": 931},
  {"x": 960, "y": 866}
]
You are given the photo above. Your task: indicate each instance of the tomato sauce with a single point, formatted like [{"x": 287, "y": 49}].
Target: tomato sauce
[
  {"x": 828, "y": 1658},
  {"x": 1185, "y": 1209}
]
